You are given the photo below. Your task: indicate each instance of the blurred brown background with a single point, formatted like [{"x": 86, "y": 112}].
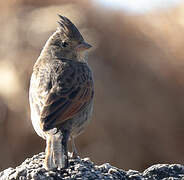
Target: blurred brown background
[{"x": 138, "y": 65}]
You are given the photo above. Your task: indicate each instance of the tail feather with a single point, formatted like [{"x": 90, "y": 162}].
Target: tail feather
[{"x": 56, "y": 151}]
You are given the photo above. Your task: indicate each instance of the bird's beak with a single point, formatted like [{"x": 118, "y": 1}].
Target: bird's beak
[{"x": 83, "y": 46}]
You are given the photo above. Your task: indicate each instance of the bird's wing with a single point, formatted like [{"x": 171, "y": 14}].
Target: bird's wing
[{"x": 72, "y": 89}]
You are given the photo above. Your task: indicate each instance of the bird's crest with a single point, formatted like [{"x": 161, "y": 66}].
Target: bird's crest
[{"x": 69, "y": 29}]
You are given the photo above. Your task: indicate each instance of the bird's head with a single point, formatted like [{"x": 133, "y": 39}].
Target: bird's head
[{"x": 68, "y": 42}]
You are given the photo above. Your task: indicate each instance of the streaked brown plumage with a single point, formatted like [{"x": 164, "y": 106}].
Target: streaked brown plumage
[{"x": 61, "y": 92}]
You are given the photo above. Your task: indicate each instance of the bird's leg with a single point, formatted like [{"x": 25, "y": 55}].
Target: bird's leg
[
  {"x": 74, "y": 149},
  {"x": 65, "y": 147}
]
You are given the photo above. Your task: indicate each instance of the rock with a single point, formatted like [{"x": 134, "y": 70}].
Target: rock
[{"x": 32, "y": 168}]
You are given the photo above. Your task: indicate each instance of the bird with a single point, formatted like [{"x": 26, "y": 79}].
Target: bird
[{"x": 61, "y": 92}]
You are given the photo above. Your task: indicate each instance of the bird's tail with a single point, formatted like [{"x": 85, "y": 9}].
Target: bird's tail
[{"x": 56, "y": 151}]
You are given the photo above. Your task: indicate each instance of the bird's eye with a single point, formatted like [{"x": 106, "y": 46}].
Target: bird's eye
[{"x": 64, "y": 44}]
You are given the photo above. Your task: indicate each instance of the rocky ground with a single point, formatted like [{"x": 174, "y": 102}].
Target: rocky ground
[{"x": 32, "y": 168}]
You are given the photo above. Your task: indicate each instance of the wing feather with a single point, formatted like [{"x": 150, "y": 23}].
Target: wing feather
[{"x": 68, "y": 95}]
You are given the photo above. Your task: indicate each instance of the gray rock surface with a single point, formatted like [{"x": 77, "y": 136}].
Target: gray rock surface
[{"x": 84, "y": 169}]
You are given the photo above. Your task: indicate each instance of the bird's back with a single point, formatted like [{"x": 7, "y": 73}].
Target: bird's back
[{"x": 60, "y": 90}]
